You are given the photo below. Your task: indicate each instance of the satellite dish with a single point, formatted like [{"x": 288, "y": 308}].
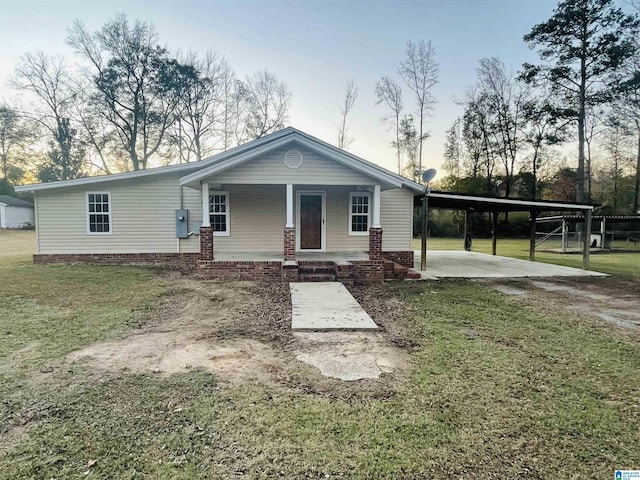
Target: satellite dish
[{"x": 428, "y": 175}]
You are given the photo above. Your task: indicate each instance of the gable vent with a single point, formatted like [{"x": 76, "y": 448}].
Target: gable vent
[{"x": 293, "y": 159}]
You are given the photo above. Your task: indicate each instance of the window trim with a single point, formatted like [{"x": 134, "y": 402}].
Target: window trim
[
  {"x": 110, "y": 213},
  {"x": 227, "y": 232},
  {"x": 350, "y": 206}
]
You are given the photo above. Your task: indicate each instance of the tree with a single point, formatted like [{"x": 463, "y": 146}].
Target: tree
[
  {"x": 419, "y": 71},
  {"x": 543, "y": 126},
  {"x": 137, "y": 84},
  {"x": 65, "y": 160},
  {"x": 454, "y": 149},
  {"x": 350, "y": 96},
  {"x": 267, "y": 101},
  {"x": 505, "y": 99},
  {"x": 389, "y": 93},
  {"x": 410, "y": 145},
  {"x": 197, "y": 113},
  {"x": 14, "y": 134},
  {"x": 582, "y": 43},
  {"x": 479, "y": 137},
  {"x": 48, "y": 80},
  {"x": 616, "y": 145}
]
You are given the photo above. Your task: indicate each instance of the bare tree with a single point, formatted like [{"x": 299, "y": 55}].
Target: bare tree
[
  {"x": 506, "y": 99},
  {"x": 350, "y": 96},
  {"x": 14, "y": 135},
  {"x": 389, "y": 93},
  {"x": 267, "y": 102},
  {"x": 454, "y": 149},
  {"x": 193, "y": 133},
  {"x": 137, "y": 84},
  {"x": 419, "y": 71},
  {"x": 47, "y": 78}
]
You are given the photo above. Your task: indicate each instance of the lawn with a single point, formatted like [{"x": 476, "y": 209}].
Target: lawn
[
  {"x": 625, "y": 264},
  {"x": 494, "y": 389}
]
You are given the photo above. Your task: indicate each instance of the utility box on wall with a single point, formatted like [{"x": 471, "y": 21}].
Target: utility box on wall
[{"x": 182, "y": 223}]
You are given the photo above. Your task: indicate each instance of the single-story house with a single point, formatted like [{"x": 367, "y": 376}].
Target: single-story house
[
  {"x": 284, "y": 206},
  {"x": 15, "y": 212}
]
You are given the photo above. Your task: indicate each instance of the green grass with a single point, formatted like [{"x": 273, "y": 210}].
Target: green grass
[
  {"x": 625, "y": 264},
  {"x": 496, "y": 389}
]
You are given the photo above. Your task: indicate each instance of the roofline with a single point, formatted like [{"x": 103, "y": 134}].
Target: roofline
[
  {"x": 310, "y": 142},
  {"x": 218, "y": 160},
  {"x": 511, "y": 201},
  {"x": 151, "y": 171}
]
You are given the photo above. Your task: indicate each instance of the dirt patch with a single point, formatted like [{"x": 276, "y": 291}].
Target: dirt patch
[
  {"x": 606, "y": 301},
  {"x": 241, "y": 331}
]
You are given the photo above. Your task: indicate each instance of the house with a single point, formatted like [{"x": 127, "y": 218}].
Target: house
[
  {"x": 15, "y": 213},
  {"x": 285, "y": 206}
]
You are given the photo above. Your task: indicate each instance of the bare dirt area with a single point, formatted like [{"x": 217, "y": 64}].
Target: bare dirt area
[
  {"x": 608, "y": 301},
  {"x": 241, "y": 331}
]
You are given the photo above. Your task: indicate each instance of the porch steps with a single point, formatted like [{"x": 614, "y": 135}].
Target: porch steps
[
  {"x": 396, "y": 271},
  {"x": 317, "y": 272}
]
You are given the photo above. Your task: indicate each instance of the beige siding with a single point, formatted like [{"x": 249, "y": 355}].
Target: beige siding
[
  {"x": 396, "y": 217},
  {"x": 142, "y": 217},
  {"x": 270, "y": 169},
  {"x": 257, "y": 219},
  {"x": 192, "y": 201}
]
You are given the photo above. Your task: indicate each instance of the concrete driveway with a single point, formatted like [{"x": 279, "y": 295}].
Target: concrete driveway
[{"x": 462, "y": 264}]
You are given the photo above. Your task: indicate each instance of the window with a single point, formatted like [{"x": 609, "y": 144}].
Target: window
[
  {"x": 98, "y": 213},
  {"x": 359, "y": 208},
  {"x": 219, "y": 212}
]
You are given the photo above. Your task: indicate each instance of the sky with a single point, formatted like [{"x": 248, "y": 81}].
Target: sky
[{"x": 314, "y": 46}]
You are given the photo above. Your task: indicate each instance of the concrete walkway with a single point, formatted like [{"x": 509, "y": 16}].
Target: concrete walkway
[
  {"x": 462, "y": 264},
  {"x": 326, "y": 306}
]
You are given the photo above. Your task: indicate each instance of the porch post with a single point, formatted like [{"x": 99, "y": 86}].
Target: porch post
[
  {"x": 494, "y": 233},
  {"x": 375, "y": 232},
  {"x": 587, "y": 239},
  {"x": 532, "y": 235},
  {"x": 206, "y": 230},
  {"x": 289, "y": 230}
]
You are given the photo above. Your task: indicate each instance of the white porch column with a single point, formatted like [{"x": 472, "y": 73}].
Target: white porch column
[
  {"x": 206, "y": 222},
  {"x": 289, "y": 206},
  {"x": 375, "y": 221}
]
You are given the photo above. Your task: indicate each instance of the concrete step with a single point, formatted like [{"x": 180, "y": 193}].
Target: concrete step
[{"x": 316, "y": 277}]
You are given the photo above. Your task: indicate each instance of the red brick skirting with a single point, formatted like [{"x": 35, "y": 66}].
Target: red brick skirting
[
  {"x": 355, "y": 271},
  {"x": 177, "y": 260},
  {"x": 404, "y": 258}
]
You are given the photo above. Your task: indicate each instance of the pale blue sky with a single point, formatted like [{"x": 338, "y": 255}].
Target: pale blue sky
[{"x": 313, "y": 46}]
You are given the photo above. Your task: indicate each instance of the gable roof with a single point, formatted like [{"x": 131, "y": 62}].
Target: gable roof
[
  {"x": 196, "y": 171},
  {"x": 9, "y": 201}
]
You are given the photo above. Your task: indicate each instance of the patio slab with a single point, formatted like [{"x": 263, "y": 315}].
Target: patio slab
[
  {"x": 463, "y": 264},
  {"x": 322, "y": 306}
]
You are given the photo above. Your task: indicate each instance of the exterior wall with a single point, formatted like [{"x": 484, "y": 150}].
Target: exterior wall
[
  {"x": 143, "y": 211},
  {"x": 270, "y": 169},
  {"x": 396, "y": 218},
  {"x": 15, "y": 217},
  {"x": 143, "y": 217}
]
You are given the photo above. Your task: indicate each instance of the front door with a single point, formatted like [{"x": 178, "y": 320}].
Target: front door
[{"x": 311, "y": 221}]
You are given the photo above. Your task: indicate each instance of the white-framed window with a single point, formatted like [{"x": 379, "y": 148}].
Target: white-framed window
[
  {"x": 219, "y": 213},
  {"x": 99, "y": 213},
  {"x": 359, "y": 213}
]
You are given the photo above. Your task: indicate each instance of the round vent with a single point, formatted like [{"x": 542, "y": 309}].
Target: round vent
[{"x": 293, "y": 159}]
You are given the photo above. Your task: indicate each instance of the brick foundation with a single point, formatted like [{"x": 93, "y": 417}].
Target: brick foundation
[
  {"x": 206, "y": 243},
  {"x": 404, "y": 258},
  {"x": 289, "y": 243},
  {"x": 375, "y": 244},
  {"x": 181, "y": 261},
  {"x": 367, "y": 271}
]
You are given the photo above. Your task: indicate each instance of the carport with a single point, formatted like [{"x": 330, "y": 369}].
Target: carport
[{"x": 496, "y": 205}]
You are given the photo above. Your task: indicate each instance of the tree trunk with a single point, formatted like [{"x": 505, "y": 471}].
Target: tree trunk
[
  {"x": 636, "y": 192},
  {"x": 581, "y": 117}
]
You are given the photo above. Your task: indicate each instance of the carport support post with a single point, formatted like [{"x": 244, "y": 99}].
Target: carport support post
[
  {"x": 587, "y": 239},
  {"x": 425, "y": 219},
  {"x": 532, "y": 235},
  {"x": 494, "y": 233},
  {"x": 467, "y": 230}
]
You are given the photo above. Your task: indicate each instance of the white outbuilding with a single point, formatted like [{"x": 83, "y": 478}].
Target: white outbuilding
[{"x": 15, "y": 213}]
